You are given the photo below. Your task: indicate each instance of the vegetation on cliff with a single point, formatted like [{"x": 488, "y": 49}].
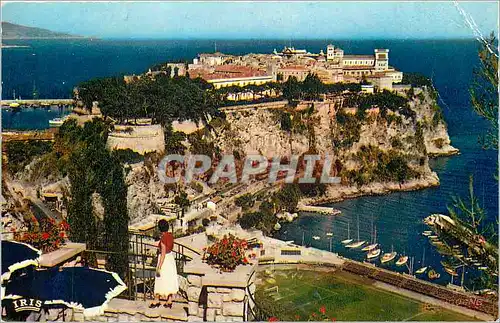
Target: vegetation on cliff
[
  {"x": 162, "y": 98},
  {"x": 93, "y": 170},
  {"x": 20, "y": 153}
]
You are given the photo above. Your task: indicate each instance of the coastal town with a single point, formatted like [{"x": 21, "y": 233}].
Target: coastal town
[{"x": 236, "y": 171}]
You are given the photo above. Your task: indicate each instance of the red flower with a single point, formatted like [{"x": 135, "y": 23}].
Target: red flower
[
  {"x": 233, "y": 253},
  {"x": 61, "y": 234},
  {"x": 322, "y": 309},
  {"x": 245, "y": 260},
  {"x": 313, "y": 314},
  {"x": 273, "y": 319},
  {"x": 64, "y": 225},
  {"x": 224, "y": 241},
  {"x": 45, "y": 236},
  {"x": 334, "y": 319}
]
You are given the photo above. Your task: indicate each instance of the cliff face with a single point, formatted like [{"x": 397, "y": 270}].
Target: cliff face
[
  {"x": 144, "y": 189},
  {"x": 376, "y": 151}
]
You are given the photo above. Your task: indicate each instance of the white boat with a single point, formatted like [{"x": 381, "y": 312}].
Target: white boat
[
  {"x": 482, "y": 268},
  {"x": 450, "y": 271},
  {"x": 388, "y": 256},
  {"x": 427, "y": 233},
  {"x": 373, "y": 254},
  {"x": 433, "y": 237},
  {"x": 348, "y": 240},
  {"x": 329, "y": 234},
  {"x": 56, "y": 122},
  {"x": 358, "y": 243},
  {"x": 316, "y": 238},
  {"x": 422, "y": 269},
  {"x": 355, "y": 245},
  {"x": 402, "y": 260},
  {"x": 374, "y": 244},
  {"x": 370, "y": 247}
]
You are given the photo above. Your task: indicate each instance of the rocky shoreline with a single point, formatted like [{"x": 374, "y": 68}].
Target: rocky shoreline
[{"x": 338, "y": 193}]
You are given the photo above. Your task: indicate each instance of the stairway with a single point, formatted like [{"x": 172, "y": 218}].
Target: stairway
[{"x": 127, "y": 310}]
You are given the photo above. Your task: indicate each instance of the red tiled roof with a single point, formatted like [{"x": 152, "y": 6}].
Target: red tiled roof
[
  {"x": 226, "y": 71},
  {"x": 294, "y": 68},
  {"x": 359, "y": 67},
  {"x": 359, "y": 56}
]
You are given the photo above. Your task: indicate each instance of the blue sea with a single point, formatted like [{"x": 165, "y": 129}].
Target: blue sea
[{"x": 55, "y": 67}]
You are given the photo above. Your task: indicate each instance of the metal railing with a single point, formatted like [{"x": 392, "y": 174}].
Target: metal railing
[
  {"x": 142, "y": 259},
  {"x": 142, "y": 256},
  {"x": 255, "y": 312}
]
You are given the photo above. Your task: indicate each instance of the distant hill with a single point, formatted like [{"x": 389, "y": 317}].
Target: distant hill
[{"x": 13, "y": 31}]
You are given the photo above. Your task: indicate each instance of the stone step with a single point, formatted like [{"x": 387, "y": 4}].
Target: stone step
[{"x": 178, "y": 312}]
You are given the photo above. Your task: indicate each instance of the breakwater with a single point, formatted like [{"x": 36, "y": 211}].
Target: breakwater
[{"x": 37, "y": 102}]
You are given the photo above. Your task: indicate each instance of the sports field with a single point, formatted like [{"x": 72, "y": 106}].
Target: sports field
[{"x": 294, "y": 295}]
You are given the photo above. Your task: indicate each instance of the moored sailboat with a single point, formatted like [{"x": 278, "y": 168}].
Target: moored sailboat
[
  {"x": 389, "y": 256},
  {"x": 374, "y": 244},
  {"x": 402, "y": 260},
  {"x": 451, "y": 271},
  {"x": 373, "y": 254},
  {"x": 422, "y": 269},
  {"x": 433, "y": 274},
  {"x": 348, "y": 240},
  {"x": 358, "y": 243}
]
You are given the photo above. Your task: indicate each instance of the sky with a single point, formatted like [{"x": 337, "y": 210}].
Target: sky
[{"x": 257, "y": 20}]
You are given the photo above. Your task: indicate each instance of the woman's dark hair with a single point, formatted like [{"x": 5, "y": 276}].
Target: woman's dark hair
[{"x": 163, "y": 225}]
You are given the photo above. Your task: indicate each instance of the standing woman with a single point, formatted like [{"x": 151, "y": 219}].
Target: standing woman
[{"x": 166, "y": 283}]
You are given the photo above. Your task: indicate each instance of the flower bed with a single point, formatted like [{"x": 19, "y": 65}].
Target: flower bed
[
  {"x": 45, "y": 235},
  {"x": 227, "y": 253}
]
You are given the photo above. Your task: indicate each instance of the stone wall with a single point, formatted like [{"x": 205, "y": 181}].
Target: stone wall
[
  {"x": 215, "y": 296},
  {"x": 141, "y": 139}
]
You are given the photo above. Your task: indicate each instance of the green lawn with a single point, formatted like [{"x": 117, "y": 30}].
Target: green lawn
[{"x": 345, "y": 296}]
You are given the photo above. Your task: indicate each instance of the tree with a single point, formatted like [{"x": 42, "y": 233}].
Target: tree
[
  {"x": 245, "y": 201},
  {"x": 181, "y": 199},
  {"x": 312, "y": 87},
  {"x": 291, "y": 89},
  {"x": 287, "y": 198},
  {"x": 484, "y": 89},
  {"x": 471, "y": 214},
  {"x": 92, "y": 168}
]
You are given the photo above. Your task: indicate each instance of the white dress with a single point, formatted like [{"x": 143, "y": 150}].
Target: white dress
[{"x": 167, "y": 284}]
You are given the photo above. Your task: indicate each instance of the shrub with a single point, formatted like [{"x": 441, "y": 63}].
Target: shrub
[
  {"x": 46, "y": 236},
  {"x": 245, "y": 201},
  {"x": 227, "y": 253},
  {"x": 128, "y": 156},
  {"x": 285, "y": 122},
  {"x": 20, "y": 154}
]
